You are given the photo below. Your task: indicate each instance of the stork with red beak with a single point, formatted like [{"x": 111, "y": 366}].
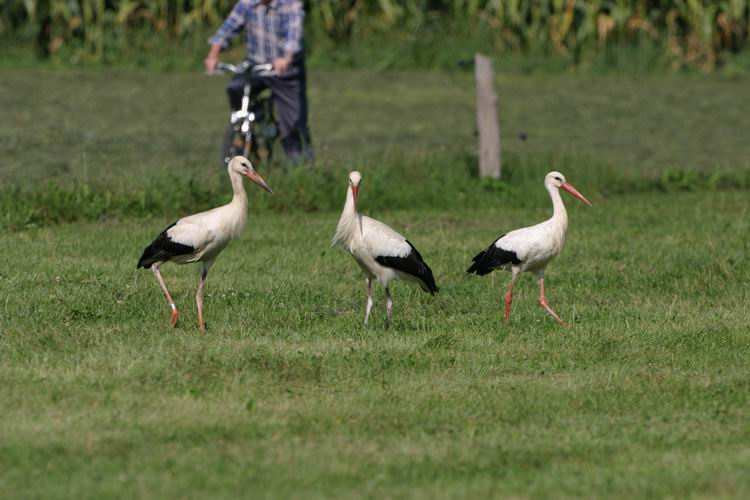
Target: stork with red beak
[
  {"x": 381, "y": 253},
  {"x": 201, "y": 237},
  {"x": 531, "y": 248}
]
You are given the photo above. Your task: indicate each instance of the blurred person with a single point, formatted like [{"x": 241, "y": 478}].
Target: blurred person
[{"x": 273, "y": 34}]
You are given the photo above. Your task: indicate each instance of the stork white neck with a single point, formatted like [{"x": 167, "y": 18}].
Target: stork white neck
[
  {"x": 239, "y": 196},
  {"x": 349, "y": 223},
  {"x": 236, "y": 210},
  {"x": 559, "y": 214}
]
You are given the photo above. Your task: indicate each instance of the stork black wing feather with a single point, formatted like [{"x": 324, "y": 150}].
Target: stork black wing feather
[
  {"x": 492, "y": 258},
  {"x": 412, "y": 264},
  {"x": 163, "y": 249}
]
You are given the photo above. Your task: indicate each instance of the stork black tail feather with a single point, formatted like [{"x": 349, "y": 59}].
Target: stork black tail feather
[
  {"x": 478, "y": 266},
  {"x": 492, "y": 258},
  {"x": 414, "y": 265},
  {"x": 429, "y": 281},
  {"x": 148, "y": 258},
  {"x": 162, "y": 249},
  {"x": 144, "y": 262}
]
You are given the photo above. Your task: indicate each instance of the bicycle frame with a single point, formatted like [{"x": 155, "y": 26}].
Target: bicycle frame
[{"x": 245, "y": 116}]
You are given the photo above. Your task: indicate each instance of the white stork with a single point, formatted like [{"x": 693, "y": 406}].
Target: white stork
[
  {"x": 381, "y": 252},
  {"x": 530, "y": 248},
  {"x": 201, "y": 237}
]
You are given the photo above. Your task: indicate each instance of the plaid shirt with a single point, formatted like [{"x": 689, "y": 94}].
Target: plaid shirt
[{"x": 271, "y": 31}]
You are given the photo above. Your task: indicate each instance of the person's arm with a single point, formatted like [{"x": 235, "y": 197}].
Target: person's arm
[
  {"x": 226, "y": 31},
  {"x": 294, "y": 14},
  {"x": 212, "y": 59}
]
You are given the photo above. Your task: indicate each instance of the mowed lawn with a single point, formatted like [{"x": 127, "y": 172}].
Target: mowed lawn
[
  {"x": 288, "y": 396},
  {"x": 120, "y": 128}
]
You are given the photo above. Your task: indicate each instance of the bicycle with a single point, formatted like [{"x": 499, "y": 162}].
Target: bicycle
[{"x": 252, "y": 129}]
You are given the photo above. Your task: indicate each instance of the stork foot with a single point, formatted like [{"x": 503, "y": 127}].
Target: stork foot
[
  {"x": 173, "y": 319},
  {"x": 544, "y": 304}
]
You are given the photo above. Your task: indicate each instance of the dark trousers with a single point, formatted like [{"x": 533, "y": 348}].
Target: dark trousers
[{"x": 290, "y": 100}]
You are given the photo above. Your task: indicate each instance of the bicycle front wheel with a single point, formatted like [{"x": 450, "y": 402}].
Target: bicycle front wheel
[{"x": 235, "y": 143}]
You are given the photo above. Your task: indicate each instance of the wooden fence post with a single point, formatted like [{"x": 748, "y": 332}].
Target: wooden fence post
[{"x": 490, "y": 163}]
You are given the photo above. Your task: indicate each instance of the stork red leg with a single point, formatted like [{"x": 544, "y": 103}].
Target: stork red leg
[
  {"x": 543, "y": 302},
  {"x": 368, "y": 306},
  {"x": 508, "y": 301},
  {"x": 509, "y": 296},
  {"x": 170, "y": 302},
  {"x": 388, "y": 306},
  {"x": 199, "y": 300}
]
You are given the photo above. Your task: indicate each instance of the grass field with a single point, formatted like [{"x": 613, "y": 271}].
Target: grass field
[
  {"x": 288, "y": 396},
  {"x": 116, "y": 127}
]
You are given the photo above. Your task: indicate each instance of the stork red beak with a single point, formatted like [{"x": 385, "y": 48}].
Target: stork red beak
[
  {"x": 355, "y": 190},
  {"x": 567, "y": 187},
  {"x": 253, "y": 176}
]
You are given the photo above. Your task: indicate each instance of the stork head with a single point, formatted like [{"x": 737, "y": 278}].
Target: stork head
[
  {"x": 557, "y": 180},
  {"x": 242, "y": 166},
  {"x": 354, "y": 179}
]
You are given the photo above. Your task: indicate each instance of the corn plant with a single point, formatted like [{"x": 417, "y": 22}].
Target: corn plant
[{"x": 693, "y": 32}]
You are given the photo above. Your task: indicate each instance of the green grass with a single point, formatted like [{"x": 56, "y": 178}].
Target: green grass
[
  {"x": 82, "y": 145},
  {"x": 287, "y": 395},
  {"x": 114, "y": 128}
]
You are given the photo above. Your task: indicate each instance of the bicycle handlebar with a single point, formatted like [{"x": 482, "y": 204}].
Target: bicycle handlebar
[{"x": 244, "y": 67}]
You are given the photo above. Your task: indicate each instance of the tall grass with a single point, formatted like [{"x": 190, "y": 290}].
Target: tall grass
[
  {"x": 698, "y": 33},
  {"x": 444, "y": 181}
]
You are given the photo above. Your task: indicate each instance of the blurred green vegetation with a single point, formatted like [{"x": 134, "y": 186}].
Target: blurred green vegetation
[
  {"x": 701, "y": 34},
  {"x": 87, "y": 145}
]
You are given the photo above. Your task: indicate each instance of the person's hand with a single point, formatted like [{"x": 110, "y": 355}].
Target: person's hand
[
  {"x": 210, "y": 63},
  {"x": 212, "y": 59},
  {"x": 281, "y": 64}
]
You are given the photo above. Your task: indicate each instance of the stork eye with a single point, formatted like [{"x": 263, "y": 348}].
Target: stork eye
[{"x": 559, "y": 179}]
